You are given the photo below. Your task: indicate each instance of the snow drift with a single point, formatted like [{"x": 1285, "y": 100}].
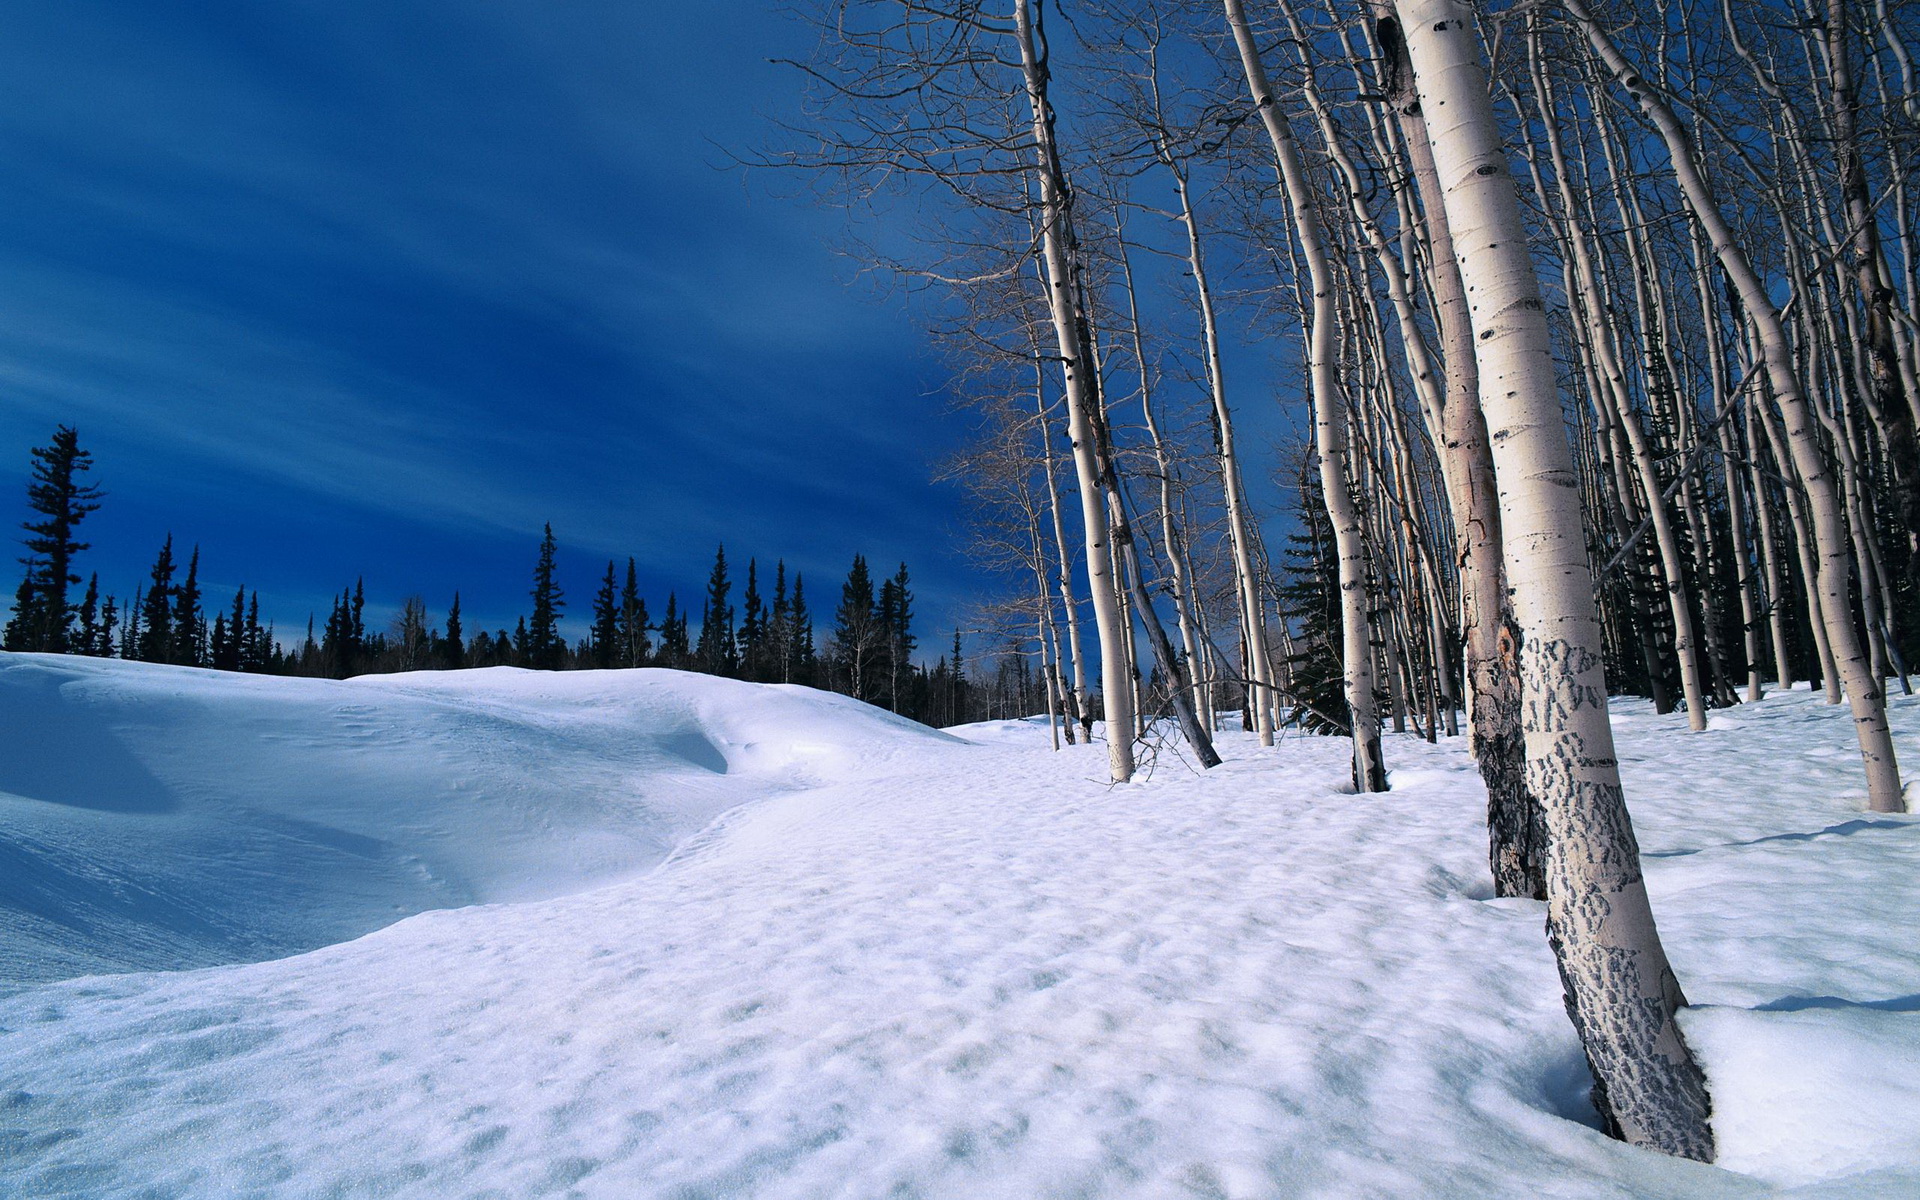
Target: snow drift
[{"x": 164, "y": 817}]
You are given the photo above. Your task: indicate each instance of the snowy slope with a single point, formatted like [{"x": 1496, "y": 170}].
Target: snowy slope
[
  {"x": 917, "y": 967},
  {"x": 164, "y": 817}
]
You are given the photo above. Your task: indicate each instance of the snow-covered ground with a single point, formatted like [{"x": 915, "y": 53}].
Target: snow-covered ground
[{"x": 724, "y": 940}]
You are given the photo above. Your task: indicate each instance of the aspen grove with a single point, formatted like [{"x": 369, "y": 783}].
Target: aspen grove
[{"x": 1600, "y": 324}]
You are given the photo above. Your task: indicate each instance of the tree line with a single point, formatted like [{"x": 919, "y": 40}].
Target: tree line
[{"x": 867, "y": 650}]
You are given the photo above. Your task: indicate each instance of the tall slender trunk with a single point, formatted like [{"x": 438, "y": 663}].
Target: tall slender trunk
[
  {"x": 1330, "y": 420},
  {"x": 1060, "y": 253},
  {"x": 1621, "y": 992},
  {"x": 1516, "y": 845}
]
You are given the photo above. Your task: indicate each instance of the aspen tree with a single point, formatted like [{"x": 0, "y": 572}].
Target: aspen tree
[
  {"x": 1330, "y": 418},
  {"x": 1621, "y": 992},
  {"x": 1864, "y": 692},
  {"x": 1060, "y": 255},
  {"x": 1514, "y": 834}
]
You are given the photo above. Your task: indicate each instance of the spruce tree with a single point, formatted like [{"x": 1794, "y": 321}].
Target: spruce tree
[
  {"x": 103, "y": 645},
  {"x": 780, "y": 629},
  {"x": 858, "y": 637},
  {"x": 674, "y": 650},
  {"x": 715, "y": 650},
  {"x": 802, "y": 659},
  {"x": 522, "y": 644},
  {"x": 258, "y": 647},
  {"x": 606, "y": 650},
  {"x": 189, "y": 623},
  {"x": 88, "y": 636},
  {"x": 635, "y": 647},
  {"x": 544, "y": 648},
  {"x": 1310, "y": 603},
  {"x": 753, "y": 627},
  {"x": 453, "y": 650},
  {"x": 155, "y": 633},
  {"x": 42, "y": 617}
]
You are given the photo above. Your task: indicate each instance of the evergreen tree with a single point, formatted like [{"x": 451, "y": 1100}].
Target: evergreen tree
[
  {"x": 339, "y": 646},
  {"x": 357, "y": 626},
  {"x": 896, "y": 625},
  {"x": 453, "y": 649},
  {"x": 780, "y": 629},
  {"x": 960, "y": 712},
  {"x": 230, "y": 636},
  {"x": 42, "y": 616},
  {"x": 522, "y": 644},
  {"x": 802, "y": 659},
  {"x": 154, "y": 635},
  {"x": 88, "y": 636},
  {"x": 715, "y": 650},
  {"x": 1310, "y": 603},
  {"x": 858, "y": 637},
  {"x": 542, "y": 647},
  {"x": 103, "y": 643},
  {"x": 258, "y": 646},
  {"x": 635, "y": 645},
  {"x": 674, "y": 650},
  {"x": 607, "y": 642},
  {"x": 221, "y": 655},
  {"x": 189, "y": 623},
  {"x": 753, "y": 628}
]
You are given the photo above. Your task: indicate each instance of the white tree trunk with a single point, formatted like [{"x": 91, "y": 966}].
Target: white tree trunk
[
  {"x": 1621, "y": 992},
  {"x": 1082, "y": 388},
  {"x": 1330, "y": 421}
]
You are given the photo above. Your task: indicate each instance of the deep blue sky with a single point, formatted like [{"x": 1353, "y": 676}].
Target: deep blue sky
[{"x": 349, "y": 287}]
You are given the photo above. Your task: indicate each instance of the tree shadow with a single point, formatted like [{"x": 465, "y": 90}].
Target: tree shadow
[
  {"x": 1898, "y": 1004},
  {"x": 1843, "y": 829}
]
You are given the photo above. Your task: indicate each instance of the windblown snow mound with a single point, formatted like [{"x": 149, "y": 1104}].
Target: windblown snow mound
[{"x": 165, "y": 817}]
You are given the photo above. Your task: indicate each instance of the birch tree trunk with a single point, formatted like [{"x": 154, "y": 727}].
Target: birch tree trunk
[
  {"x": 1059, "y": 252},
  {"x": 1864, "y": 692},
  {"x": 1620, "y": 990},
  {"x": 1329, "y": 413},
  {"x": 1516, "y": 848}
]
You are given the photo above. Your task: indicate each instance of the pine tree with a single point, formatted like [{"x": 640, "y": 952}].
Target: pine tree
[
  {"x": 858, "y": 636},
  {"x": 103, "y": 644},
  {"x": 607, "y": 646},
  {"x": 1310, "y": 603},
  {"x": 189, "y": 623},
  {"x": 753, "y": 628},
  {"x": 780, "y": 629},
  {"x": 258, "y": 647},
  {"x": 802, "y": 659},
  {"x": 545, "y": 649},
  {"x": 522, "y": 644},
  {"x": 88, "y": 636},
  {"x": 156, "y": 634},
  {"x": 960, "y": 712},
  {"x": 453, "y": 649},
  {"x": 674, "y": 649},
  {"x": 635, "y": 646},
  {"x": 42, "y": 616},
  {"x": 896, "y": 621},
  {"x": 715, "y": 650}
]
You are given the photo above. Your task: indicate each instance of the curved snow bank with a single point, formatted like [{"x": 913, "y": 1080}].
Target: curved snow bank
[{"x": 165, "y": 817}]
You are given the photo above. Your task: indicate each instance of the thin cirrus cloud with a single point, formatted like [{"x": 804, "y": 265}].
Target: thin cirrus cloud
[{"x": 465, "y": 267}]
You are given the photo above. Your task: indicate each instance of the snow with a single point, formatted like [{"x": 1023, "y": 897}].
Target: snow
[{"x": 726, "y": 940}]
